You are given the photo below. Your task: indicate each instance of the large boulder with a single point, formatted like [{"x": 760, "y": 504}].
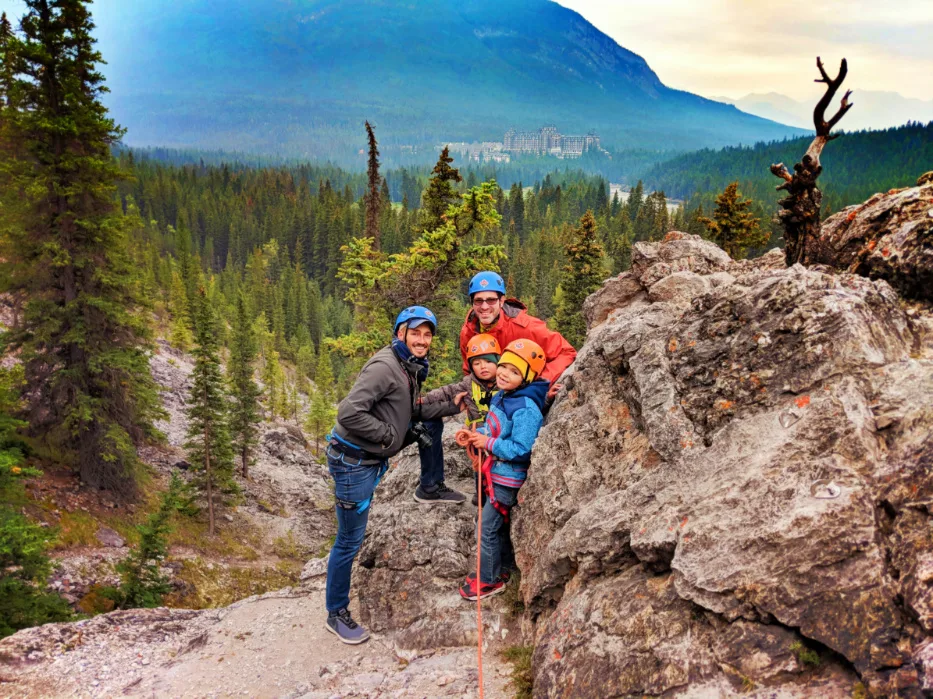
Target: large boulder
[
  {"x": 890, "y": 237},
  {"x": 733, "y": 493}
]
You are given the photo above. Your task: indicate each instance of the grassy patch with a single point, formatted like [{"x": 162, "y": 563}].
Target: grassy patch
[
  {"x": 806, "y": 657},
  {"x": 213, "y": 585},
  {"x": 233, "y": 539},
  {"x": 522, "y": 679},
  {"x": 859, "y": 691},
  {"x": 326, "y": 546},
  {"x": 76, "y": 529},
  {"x": 511, "y": 598},
  {"x": 288, "y": 547}
]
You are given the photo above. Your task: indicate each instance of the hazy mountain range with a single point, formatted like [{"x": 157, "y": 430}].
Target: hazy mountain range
[
  {"x": 872, "y": 110},
  {"x": 300, "y": 76}
]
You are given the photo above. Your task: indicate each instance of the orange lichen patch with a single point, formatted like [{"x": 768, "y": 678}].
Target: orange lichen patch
[
  {"x": 643, "y": 531},
  {"x": 673, "y": 409},
  {"x": 872, "y": 244},
  {"x": 885, "y": 252},
  {"x": 723, "y": 404},
  {"x": 672, "y": 345},
  {"x": 673, "y": 235},
  {"x": 686, "y": 443},
  {"x": 403, "y": 594},
  {"x": 802, "y": 401},
  {"x": 754, "y": 380},
  {"x": 683, "y": 522},
  {"x": 851, "y": 216},
  {"x": 557, "y": 655},
  {"x": 692, "y": 343}
]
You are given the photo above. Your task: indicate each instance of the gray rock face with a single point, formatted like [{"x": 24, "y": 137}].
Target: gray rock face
[
  {"x": 415, "y": 556},
  {"x": 108, "y": 537},
  {"x": 737, "y": 475},
  {"x": 890, "y": 237}
]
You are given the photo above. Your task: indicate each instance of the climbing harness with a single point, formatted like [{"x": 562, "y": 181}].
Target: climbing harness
[{"x": 476, "y": 457}]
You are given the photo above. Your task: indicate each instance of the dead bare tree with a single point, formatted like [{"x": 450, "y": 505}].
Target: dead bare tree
[{"x": 800, "y": 209}]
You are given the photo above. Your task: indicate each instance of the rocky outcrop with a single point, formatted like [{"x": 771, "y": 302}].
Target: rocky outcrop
[
  {"x": 415, "y": 557},
  {"x": 733, "y": 493},
  {"x": 889, "y": 237}
]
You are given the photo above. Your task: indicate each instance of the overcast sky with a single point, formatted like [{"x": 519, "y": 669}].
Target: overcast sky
[{"x": 734, "y": 47}]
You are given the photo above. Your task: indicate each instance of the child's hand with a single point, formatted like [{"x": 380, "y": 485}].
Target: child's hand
[
  {"x": 552, "y": 392},
  {"x": 478, "y": 440}
]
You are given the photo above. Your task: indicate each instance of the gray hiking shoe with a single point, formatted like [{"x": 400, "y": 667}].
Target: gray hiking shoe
[
  {"x": 347, "y": 630},
  {"x": 441, "y": 495}
]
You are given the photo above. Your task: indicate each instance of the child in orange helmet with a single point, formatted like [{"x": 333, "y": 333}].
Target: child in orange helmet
[
  {"x": 508, "y": 434},
  {"x": 474, "y": 392}
]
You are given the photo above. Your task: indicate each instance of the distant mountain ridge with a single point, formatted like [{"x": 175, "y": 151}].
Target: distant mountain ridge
[
  {"x": 873, "y": 109},
  {"x": 301, "y": 75}
]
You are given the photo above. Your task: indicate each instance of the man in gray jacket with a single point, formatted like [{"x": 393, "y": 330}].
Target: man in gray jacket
[{"x": 373, "y": 424}]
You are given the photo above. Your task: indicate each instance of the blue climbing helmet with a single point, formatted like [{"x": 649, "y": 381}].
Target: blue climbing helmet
[
  {"x": 487, "y": 281},
  {"x": 415, "y": 316}
]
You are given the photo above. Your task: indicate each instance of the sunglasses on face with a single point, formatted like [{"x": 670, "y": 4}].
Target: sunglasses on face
[{"x": 479, "y": 303}]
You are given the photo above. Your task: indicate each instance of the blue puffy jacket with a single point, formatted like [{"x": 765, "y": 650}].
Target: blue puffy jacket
[{"x": 512, "y": 426}]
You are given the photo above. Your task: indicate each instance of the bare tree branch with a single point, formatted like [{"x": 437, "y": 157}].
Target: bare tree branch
[{"x": 800, "y": 209}]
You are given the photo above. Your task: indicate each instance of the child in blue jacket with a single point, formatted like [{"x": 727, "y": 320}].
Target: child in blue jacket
[{"x": 508, "y": 434}]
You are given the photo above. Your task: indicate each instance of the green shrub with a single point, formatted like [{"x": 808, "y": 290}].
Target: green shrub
[
  {"x": 522, "y": 678},
  {"x": 806, "y": 657}
]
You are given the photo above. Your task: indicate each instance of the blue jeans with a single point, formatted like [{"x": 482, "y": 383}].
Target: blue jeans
[
  {"x": 432, "y": 460},
  {"x": 496, "y": 540},
  {"x": 354, "y": 485}
]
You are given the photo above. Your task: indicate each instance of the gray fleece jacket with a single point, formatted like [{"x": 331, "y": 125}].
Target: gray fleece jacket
[{"x": 382, "y": 403}]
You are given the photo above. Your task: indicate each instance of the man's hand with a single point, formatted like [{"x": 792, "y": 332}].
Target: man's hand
[{"x": 460, "y": 403}]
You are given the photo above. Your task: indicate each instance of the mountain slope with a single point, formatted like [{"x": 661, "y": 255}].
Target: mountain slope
[
  {"x": 873, "y": 110},
  {"x": 299, "y": 76}
]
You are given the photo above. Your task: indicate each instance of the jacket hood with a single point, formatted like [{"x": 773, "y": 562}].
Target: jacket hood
[{"x": 536, "y": 390}]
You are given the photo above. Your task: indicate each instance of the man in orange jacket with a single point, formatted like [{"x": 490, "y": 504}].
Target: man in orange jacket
[{"x": 507, "y": 320}]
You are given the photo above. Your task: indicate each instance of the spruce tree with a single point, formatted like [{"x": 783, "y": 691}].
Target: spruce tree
[
  {"x": 440, "y": 192},
  {"x": 244, "y": 410},
  {"x": 208, "y": 445},
  {"x": 180, "y": 329},
  {"x": 733, "y": 227},
  {"x": 373, "y": 197},
  {"x": 24, "y": 563},
  {"x": 321, "y": 413},
  {"x": 82, "y": 334},
  {"x": 582, "y": 275}
]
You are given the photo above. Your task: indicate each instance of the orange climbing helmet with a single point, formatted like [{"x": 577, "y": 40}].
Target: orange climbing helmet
[
  {"x": 485, "y": 346},
  {"x": 526, "y": 356}
]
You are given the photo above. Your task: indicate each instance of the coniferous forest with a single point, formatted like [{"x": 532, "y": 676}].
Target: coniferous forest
[{"x": 280, "y": 279}]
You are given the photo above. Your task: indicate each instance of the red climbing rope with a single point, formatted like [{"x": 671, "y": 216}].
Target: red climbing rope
[{"x": 476, "y": 456}]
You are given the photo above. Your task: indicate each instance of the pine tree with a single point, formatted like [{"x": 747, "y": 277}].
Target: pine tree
[
  {"x": 24, "y": 563},
  {"x": 440, "y": 193},
  {"x": 583, "y": 274},
  {"x": 244, "y": 410},
  {"x": 321, "y": 413},
  {"x": 517, "y": 209},
  {"x": 180, "y": 335},
  {"x": 733, "y": 227},
  {"x": 373, "y": 198},
  {"x": 635, "y": 199},
  {"x": 83, "y": 335},
  {"x": 142, "y": 581},
  {"x": 273, "y": 378},
  {"x": 208, "y": 445}
]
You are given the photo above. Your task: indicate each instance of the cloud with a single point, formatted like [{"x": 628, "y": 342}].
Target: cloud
[{"x": 733, "y": 47}]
